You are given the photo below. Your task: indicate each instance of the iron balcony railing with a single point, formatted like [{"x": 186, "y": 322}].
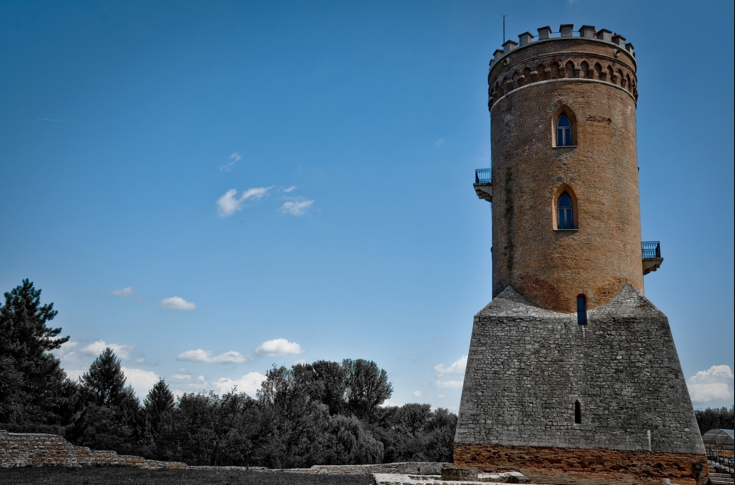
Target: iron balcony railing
[
  {"x": 722, "y": 463},
  {"x": 482, "y": 176},
  {"x": 651, "y": 249}
]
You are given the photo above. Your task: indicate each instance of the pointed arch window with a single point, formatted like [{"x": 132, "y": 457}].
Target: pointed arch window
[
  {"x": 563, "y": 131},
  {"x": 566, "y": 212}
]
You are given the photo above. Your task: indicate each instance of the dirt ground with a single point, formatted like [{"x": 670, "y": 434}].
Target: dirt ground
[{"x": 135, "y": 476}]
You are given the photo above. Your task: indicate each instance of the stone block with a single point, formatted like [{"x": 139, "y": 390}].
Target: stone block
[{"x": 459, "y": 474}]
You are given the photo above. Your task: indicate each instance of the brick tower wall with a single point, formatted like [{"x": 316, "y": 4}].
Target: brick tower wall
[{"x": 597, "y": 90}]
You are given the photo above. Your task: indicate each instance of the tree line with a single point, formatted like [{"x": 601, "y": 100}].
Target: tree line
[
  {"x": 319, "y": 413},
  {"x": 717, "y": 418}
]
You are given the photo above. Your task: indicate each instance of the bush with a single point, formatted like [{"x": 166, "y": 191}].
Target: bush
[{"x": 33, "y": 428}]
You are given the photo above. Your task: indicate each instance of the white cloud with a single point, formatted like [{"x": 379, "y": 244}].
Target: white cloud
[
  {"x": 249, "y": 383},
  {"x": 96, "y": 348},
  {"x": 141, "y": 380},
  {"x": 229, "y": 203},
  {"x": 290, "y": 189},
  {"x": 439, "y": 142},
  {"x": 457, "y": 368},
  {"x": 74, "y": 374},
  {"x": 710, "y": 385},
  {"x": 177, "y": 303},
  {"x": 127, "y": 291},
  {"x": 295, "y": 207},
  {"x": 440, "y": 396},
  {"x": 412, "y": 358},
  {"x": 186, "y": 380},
  {"x": 66, "y": 351},
  {"x": 300, "y": 362},
  {"x": 200, "y": 383},
  {"x": 417, "y": 393},
  {"x": 279, "y": 346},
  {"x": 448, "y": 384},
  {"x": 180, "y": 378},
  {"x": 233, "y": 159},
  {"x": 206, "y": 357}
]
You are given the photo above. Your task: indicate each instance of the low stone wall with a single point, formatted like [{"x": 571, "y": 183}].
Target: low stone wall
[
  {"x": 40, "y": 449},
  {"x": 403, "y": 468},
  {"x": 546, "y": 464}
]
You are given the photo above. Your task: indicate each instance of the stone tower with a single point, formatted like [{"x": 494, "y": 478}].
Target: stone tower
[{"x": 570, "y": 366}]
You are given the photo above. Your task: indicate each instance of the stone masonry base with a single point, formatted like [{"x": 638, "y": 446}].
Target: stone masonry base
[{"x": 584, "y": 466}]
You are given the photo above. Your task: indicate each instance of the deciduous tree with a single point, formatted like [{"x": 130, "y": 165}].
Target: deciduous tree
[
  {"x": 299, "y": 422},
  {"x": 367, "y": 387}
]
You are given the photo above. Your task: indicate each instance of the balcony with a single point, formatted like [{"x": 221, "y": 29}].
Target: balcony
[
  {"x": 483, "y": 184},
  {"x": 650, "y": 250},
  {"x": 651, "y": 256}
]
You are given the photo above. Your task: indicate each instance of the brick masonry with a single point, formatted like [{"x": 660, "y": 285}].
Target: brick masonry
[
  {"x": 600, "y": 172},
  {"x": 563, "y": 58},
  {"x": 544, "y": 465}
]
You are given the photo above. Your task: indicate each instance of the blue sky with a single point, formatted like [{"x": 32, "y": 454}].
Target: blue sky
[{"x": 215, "y": 187}]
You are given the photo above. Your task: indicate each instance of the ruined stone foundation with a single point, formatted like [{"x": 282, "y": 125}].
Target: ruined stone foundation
[{"x": 546, "y": 394}]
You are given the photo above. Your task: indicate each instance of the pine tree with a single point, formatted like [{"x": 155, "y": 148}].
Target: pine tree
[
  {"x": 158, "y": 406},
  {"x": 12, "y": 395},
  {"x": 108, "y": 417},
  {"x": 104, "y": 384},
  {"x": 41, "y": 391}
]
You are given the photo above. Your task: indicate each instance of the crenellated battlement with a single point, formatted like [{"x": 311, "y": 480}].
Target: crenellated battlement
[
  {"x": 566, "y": 31},
  {"x": 584, "y": 55}
]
